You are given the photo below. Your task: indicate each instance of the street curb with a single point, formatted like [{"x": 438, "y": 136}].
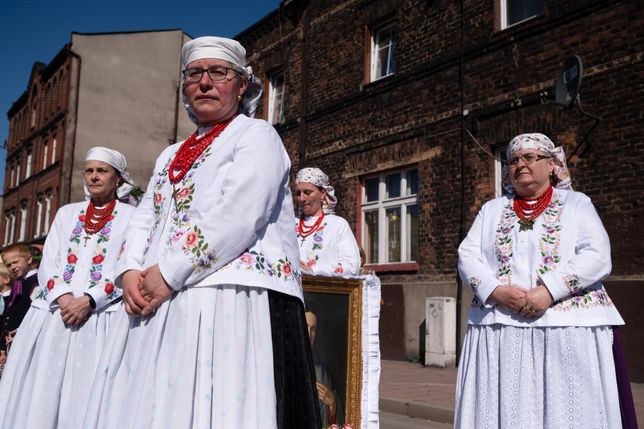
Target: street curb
[{"x": 416, "y": 410}]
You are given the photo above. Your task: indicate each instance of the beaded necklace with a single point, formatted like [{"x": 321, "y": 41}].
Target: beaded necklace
[
  {"x": 191, "y": 149},
  {"x": 305, "y": 230},
  {"x": 97, "y": 218},
  {"x": 528, "y": 209}
]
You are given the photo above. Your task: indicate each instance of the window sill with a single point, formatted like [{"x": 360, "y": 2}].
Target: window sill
[{"x": 394, "y": 267}]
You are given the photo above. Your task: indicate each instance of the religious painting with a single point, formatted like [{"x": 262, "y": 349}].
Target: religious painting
[{"x": 334, "y": 319}]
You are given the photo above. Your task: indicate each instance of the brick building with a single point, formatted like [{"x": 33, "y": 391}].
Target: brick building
[
  {"x": 383, "y": 96},
  {"x": 106, "y": 89}
]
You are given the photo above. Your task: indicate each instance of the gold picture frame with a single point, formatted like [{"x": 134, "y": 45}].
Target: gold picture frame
[{"x": 332, "y": 292}]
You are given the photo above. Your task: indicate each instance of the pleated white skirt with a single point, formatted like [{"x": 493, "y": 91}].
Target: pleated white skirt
[
  {"x": 47, "y": 380},
  {"x": 558, "y": 377},
  {"x": 203, "y": 360}
]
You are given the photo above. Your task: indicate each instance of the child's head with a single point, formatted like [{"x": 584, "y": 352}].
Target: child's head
[
  {"x": 17, "y": 257},
  {"x": 5, "y": 277}
]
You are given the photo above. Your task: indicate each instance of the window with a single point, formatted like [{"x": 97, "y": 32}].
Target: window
[
  {"x": 516, "y": 11},
  {"x": 383, "y": 51},
  {"x": 39, "y": 210},
  {"x": 47, "y": 212},
  {"x": 28, "y": 168},
  {"x": 7, "y": 225},
  {"x": 500, "y": 162},
  {"x": 12, "y": 227},
  {"x": 13, "y": 177},
  {"x": 45, "y": 153},
  {"x": 390, "y": 217},
  {"x": 276, "y": 98},
  {"x": 23, "y": 221},
  {"x": 53, "y": 150},
  {"x": 18, "y": 174}
]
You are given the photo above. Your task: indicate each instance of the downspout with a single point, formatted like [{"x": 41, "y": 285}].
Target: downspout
[{"x": 461, "y": 226}]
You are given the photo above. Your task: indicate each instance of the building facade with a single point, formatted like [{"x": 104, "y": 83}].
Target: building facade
[
  {"x": 119, "y": 90},
  {"x": 408, "y": 106}
]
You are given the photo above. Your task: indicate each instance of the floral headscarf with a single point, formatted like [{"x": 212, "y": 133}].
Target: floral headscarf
[
  {"x": 543, "y": 144},
  {"x": 316, "y": 177}
]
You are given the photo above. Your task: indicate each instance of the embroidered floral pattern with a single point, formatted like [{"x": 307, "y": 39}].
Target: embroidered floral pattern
[
  {"x": 158, "y": 200},
  {"x": 583, "y": 299},
  {"x": 475, "y": 283},
  {"x": 96, "y": 268},
  {"x": 503, "y": 244},
  {"x": 550, "y": 238},
  {"x": 312, "y": 256},
  {"x": 193, "y": 242},
  {"x": 572, "y": 283},
  {"x": 256, "y": 261}
]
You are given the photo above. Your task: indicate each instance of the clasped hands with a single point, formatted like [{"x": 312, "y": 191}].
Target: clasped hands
[
  {"x": 144, "y": 291},
  {"x": 527, "y": 303},
  {"x": 74, "y": 310}
]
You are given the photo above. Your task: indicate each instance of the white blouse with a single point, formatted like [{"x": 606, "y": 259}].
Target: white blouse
[
  {"x": 228, "y": 221},
  {"x": 332, "y": 249},
  {"x": 567, "y": 249},
  {"x": 78, "y": 263}
]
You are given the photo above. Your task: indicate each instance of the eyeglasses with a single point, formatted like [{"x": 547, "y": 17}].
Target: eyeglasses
[
  {"x": 215, "y": 73},
  {"x": 527, "y": 158}
]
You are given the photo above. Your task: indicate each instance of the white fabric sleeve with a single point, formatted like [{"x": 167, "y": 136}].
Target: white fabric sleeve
[
  {"x": 472, "y": 266},
  {"x": 255, "y": 182},
  {"x": 138, "y": 229},
  {"x": 52, "y": 264},
  {"x": 348, "y": 252},
  {"x": 591, "y": 261}
]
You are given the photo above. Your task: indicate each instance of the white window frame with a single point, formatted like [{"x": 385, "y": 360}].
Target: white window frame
[
  {"x": 381, "y": 206},
  {"x": 28, "y": 166},
  {"x": 276, "y": 95},
  {"x": 39, "y": 210},
  {"x": 45, "y": 154},
  {"x": 7, "y": 224},
  {"x": 48, "y": 197},
  {"x": 499, "y": 154},
  {"x": 23, "y": 222},
  {"x": 53, "y": 150},
  {"x": 504, "y": 15},
  {"x": 18, "y": 174},
  {"x": 12, "y": 229},
  {"x": 376, "y": 48}
]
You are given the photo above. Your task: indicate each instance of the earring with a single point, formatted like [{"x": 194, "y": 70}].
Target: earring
[{"x": 239, "y": 98}]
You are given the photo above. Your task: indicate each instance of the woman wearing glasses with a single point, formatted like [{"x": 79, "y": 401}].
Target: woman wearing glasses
[
  {"x": 216, "y": 336},
  {"x": 539, "y": 345}
]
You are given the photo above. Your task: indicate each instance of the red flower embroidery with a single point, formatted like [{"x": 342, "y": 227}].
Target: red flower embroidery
[
  {"x": 191, "y": 239},
  {"x": 287, "y": 269},
  {"x": 109, "y": 288},
  {"x": 81, "y": 218},
  {"x": 338, "y": 269},
  {"x": 97, "y": 259},
  {"x": 71, "y": 259},
  {"x": 50, "y": 284}
]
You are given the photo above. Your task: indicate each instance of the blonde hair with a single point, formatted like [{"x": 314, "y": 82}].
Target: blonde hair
[{"x": 4, "y": 272}]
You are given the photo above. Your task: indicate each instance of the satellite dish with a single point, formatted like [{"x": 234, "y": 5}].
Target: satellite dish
[{"x": 569, "y": 83}]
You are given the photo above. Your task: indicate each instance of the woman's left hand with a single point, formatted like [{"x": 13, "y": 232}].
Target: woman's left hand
[
  {"x": 538, "y": 301},
  {"x": 155, "y": 289},
  {"x": 76, "y": 311}
]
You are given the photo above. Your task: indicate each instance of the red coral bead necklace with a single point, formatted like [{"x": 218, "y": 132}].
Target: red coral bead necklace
[
  {"x": 305, "y": 230},
  {"x": 96, "y": 218},
  {"x": 191, "y": 149}
]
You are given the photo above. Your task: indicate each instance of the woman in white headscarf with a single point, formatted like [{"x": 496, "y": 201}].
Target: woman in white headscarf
[
  {"x": 216, "y": 332},
  {"x": 539, "y": 345},
  {"x": 327, "y": 245},
  {"x": 49, "y": 372}
]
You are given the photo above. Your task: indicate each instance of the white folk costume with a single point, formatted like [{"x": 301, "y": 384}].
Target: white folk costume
[
  {"x": 222, "y": 238},
  {"x": 49, "y": 373},
  {"x": 550, "y": 371},
  {"x": 327, "y": 244}
]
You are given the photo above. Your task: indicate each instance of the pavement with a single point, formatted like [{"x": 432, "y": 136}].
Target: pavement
[{"x": 424, "y": 396}]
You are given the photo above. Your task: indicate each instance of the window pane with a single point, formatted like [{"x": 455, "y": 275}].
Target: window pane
[
  {"x": 393, "y": 234},
  {"x": 393, "y": 185},
  {"x": 412, "y": 232},
  {"x": 518, "y": 10},
  {"x": 384, "y": 52},
  {"x": 371, "y": 236},
  {"x": 371, "y": 189},
  {"x": 276, "y": 101},
  {"x": 412, "y": 182}
]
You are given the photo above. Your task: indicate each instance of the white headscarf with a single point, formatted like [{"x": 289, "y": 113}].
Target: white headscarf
[
  {"x": 316, "y": 177},
  {"x": 229, "y": 50},
  {"x": 543, "y": 144},
  {"x": 118, "y": 161}
]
